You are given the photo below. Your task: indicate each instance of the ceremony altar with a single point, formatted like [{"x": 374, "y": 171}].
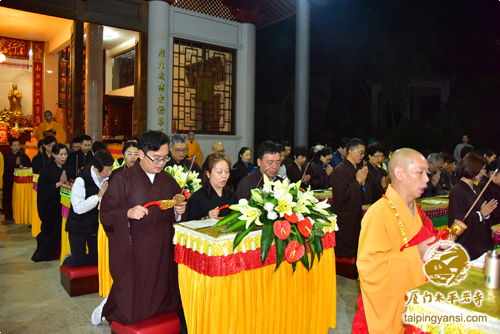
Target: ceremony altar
[
  {"x": 473, "y": 308},
  {"x": 22, "y": 195},
  {"x": 232, "y": 292}
]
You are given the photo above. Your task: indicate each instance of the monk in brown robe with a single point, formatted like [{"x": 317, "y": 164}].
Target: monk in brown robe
[
  {"x": 388, "y": 264},
  {"x": 348, "y": 197},
  {"x": 141, "y": 253}
]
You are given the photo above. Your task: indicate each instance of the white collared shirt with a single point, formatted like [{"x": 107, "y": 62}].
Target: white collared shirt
[{"x": 78, "y": 202}]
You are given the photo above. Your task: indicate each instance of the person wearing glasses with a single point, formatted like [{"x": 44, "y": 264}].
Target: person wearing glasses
[
  {"x": 218, "y": 148},
  {"x": 120, "y": 161},
  {"x": 319, "y": 170},
  {"x": 377, "y": 178},
  {"x": 476, "y": 239},
  {"x": 435, "y": 161},
  {"x": 141, "y": 253},
  {"x": 349, "y": 193},
  {"x": 178, "y": 154},
  {"x": 130, "y": 153}
]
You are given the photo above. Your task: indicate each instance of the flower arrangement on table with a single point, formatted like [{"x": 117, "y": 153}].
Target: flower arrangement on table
[
  {"x": 179, "y": 173},
  {"x": 289, "y": 217}
]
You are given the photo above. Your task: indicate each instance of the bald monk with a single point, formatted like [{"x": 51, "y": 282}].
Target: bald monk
[
  {"x": 50, "y": 128},
  {"x": 388, "y": 265},
  {"x": 217, "y": 148}
]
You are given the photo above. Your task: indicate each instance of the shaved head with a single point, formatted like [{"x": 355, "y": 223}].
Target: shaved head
[
  {"x": 408, "y": 169},
  {"x": 217, "y": 147},
  {"x": 403, "y": 158}
]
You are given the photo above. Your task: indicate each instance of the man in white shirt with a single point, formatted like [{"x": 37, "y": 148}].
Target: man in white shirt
[
  {"x": 465, "y": 142},
  {"x": 83, "y": 217}
]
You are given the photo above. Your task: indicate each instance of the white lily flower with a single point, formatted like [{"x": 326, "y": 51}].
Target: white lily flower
[
  {"x": 285, "y": 204},
  {"x": 268, "y": 185},
  {"x": 256, "y": 196},
  {"x": 320, "y": 206},
  {"x": 251, "y": 215}
]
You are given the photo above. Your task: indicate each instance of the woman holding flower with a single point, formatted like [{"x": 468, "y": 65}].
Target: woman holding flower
[{"x": 215, "y": 193}]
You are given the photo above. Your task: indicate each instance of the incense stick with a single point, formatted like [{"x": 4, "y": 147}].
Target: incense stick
[
  {"x": 478, "y": 197},
  {"x": 305, "y": 170},
  {"x": 262, "y": 177}
]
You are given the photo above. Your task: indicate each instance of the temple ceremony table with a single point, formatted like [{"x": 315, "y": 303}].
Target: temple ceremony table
[
  {"x": 489, "y": 307},
  {"x": 65, "y": 205},
  {"x": 22, "y": 195},
  {"x": 232, "y": 292}
]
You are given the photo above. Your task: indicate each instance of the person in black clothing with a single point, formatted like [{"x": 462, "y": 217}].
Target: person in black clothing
[
  {"x": 42, "y": 158},
  {"x": 98, "y": 146},
  {"x": 52, "y": 177},
  {"x": 130, "y": 154},
  {"x": 120, "y": 161},
  {"x": 12, "y": 160},
  {"x": 178, "y": 154},
  {"x": 476, "y": 239},
  {"x": 295, "y": 171},
  {"x": 83, "y": 156},
  {"x": 242, "y": 167},
  {"x": 76, "y": 144},
  {"x": 377, "y": 178},
  {"x": 288, "y": 149},
  {"x": 320, "y": 169},
  {"x": 493, "y": 190},
  {"x": 215, "y": 192},
  {"x": 83, "y": 217}
]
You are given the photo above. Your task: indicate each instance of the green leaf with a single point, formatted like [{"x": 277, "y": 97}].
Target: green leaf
[
  {"x": 294, "y": 266},
  {"x": 240, "y": 235},
  {"x": 319, "y": 215},
  {"x": 280, "y": 251},
  {"x": 266, "y": 241},
  {"x": 313, "y": 252},
  {"x": 228, "y": 218},
  {"x": 318, "y": 245},
  {"x": 300, "y": 238}
]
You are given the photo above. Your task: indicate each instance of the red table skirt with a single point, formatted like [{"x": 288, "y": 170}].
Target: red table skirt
[{"x": 216, "y": 266}]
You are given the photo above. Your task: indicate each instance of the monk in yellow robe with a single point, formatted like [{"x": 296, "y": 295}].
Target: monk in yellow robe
[
  {"x": 391, "y": 250},
  {"x": 194, "y": 148},
  {"x": 50, "y": 128}
]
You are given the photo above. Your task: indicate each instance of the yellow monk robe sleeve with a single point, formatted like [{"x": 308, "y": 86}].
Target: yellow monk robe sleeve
[
  {"x": 39, "y": 131},
  {"x": 60, "y": 133},
  {"x": 385, "y": 272}
]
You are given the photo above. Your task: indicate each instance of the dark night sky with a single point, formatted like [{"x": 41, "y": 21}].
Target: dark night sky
[{"x": 354, "y": 42}]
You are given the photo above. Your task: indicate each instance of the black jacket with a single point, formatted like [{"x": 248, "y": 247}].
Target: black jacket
[{"x": 87, "y": 222}]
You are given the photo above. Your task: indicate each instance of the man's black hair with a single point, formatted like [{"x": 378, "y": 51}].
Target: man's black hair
[
  {"x": 286, "y": 143},
  {"x": 86, "y": 137},
  {"x": 49, "y": 140},
  {"x": 76, "y": 140},
  {"x": 98, "y": 146},
  {"x": 344, "y": 141},
  {"x": 267, "y": 147},
  {"x": 101, "y": 159},
  {"x": 152, "y": 140},
  {"x": 300, "y": 151},
  {"x": 13, "y": 140},
  {"x": 281, "y": 148},
  {"x": 353, "y": 143}
]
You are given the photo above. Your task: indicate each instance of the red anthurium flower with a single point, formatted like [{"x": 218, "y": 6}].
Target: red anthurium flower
[
  {"x": 282, "y": 229},
  {"x": 294, "y": 251},
  {"x": 305, "y": 227},
  {"x": 186, "y": 194},
  {"x": 292, "y": 218}
]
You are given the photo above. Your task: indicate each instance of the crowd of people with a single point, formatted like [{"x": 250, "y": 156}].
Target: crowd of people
[{"x": 358, "y": 174}]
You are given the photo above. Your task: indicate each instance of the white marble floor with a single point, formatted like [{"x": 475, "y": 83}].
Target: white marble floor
[{"x": 32, "y": 299}]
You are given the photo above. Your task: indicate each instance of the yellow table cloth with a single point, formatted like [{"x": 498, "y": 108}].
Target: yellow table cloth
[
  {"x": 31, "y": 150},
  {"x": 36, "y": 223},
  {"x": 66, "y": 204},
  {"x": 489, "y": 306},
  {"x": 22, "y": 196},
  {"x": 226, "y": 292}
]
